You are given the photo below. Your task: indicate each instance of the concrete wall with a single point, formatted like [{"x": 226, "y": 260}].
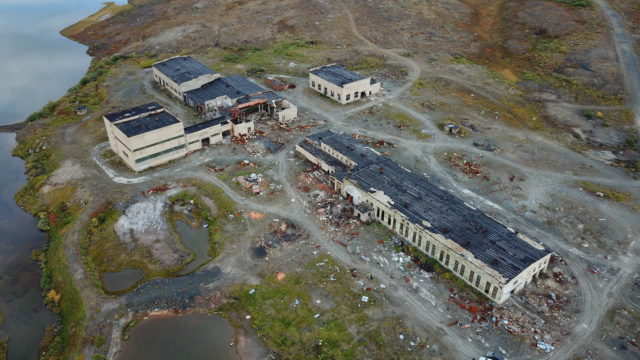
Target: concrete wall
[
  {"x": 340, "y": 94},
  {"x": 290, "y": 113}
]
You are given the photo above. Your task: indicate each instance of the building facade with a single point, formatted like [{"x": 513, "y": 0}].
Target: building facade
[
  {"x": 489, "y": 256},
  {"x": 342, "y": 85}
]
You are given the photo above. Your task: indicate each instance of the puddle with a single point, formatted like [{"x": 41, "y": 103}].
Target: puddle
[
  {"x": 193, "y": 337},
  {"x": 121, "y": 280},
  {"x": 260, "y": 252},
  {"x": 196, "y": 240}
]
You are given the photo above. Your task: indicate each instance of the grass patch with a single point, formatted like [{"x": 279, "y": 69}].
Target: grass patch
[
  {"x": 367, "y": 64},
  {"x": 607, "y": 193},
  {"x": 59, "y": 291},
  {"x": 3, "y": 349},
  {"x": 576, "y": 3},
  {"x": 284, "y": 315}
]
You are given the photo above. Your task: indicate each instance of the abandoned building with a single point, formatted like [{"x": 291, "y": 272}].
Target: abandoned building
[
  {"x": 182, "y": 73},
  {"x": 211, "y": 94},
  {"x": 342, "y": 85},
  {"x": 148, "y": 135},
  {"x": 489, "y": 256}
]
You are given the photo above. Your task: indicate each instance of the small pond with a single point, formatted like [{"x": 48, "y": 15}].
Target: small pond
[
  {"x": 121, "y": 280},
  {"x": 192, "y": 336},
  {"x": 196, "y": 240}
]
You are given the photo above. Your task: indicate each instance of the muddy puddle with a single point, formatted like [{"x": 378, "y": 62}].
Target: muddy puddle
[
  {"x": 192, "y": 336},
  {"x": 197, "y": 241},
  {"x": 121, "y": 280}
]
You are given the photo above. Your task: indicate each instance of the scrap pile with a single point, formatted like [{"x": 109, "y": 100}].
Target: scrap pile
[
  {"x": 252, "y": 182},
  {"x": 280, "y": 233},
  {"x": 470, "y": 168}
]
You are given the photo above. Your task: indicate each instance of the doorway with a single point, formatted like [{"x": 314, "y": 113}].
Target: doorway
[{"x": 206, "y": 142}]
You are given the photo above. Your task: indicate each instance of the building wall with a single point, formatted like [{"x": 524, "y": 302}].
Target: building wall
[
  {"x": 447, "y": 252},
  {"x": 243, "y": 128},
  {"x": 290, "y": 113},
  {"x": 340, "y": 93}
]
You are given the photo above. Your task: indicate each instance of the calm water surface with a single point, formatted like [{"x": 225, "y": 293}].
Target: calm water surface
[{"x": 36, "y": 65}]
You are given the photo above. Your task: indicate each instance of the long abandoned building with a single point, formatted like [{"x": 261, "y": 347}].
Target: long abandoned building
[{"x": 488, "y": 255}]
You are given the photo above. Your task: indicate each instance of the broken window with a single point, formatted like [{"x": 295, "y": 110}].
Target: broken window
[
  {"x": 446, "y": 262},
  {"x": 377, "y": 212},
  {"x": 414, "y": 237},
  {"x": 331, "y": 93},
  {"x": 419, "y": 242},
  {"x": 455, "y": 266},
  {"x": 401, "y": 227},
  {"x": 394, "y": 223},
  {"x": 338, "y": 96},
  {"x": 494, "y": 292},
  {"x": 313, "y": 84},
  {"x": 406, "y": 231},
  {"x": 471, "y": 277},
  {"x": 441, "y": 255},
  {"x": 462, "y": 270},
  {"x": 427, "y": 245},
  {"x": 320, "y": 87},
  {"x": 478, "y": 278},
  {"x": 487, "y": 287},
  {"x": 433, "y": 250},
  {"x": 355, "y": 95},
  {"x": 348, "y": 97}
]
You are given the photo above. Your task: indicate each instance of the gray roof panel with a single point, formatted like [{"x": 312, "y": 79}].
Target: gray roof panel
[
  {"x": 147, "y": 123},
  {"x": 337, "y": 74},
  {"x": 182, "y": 69},
  {"x": 134, "y": 111}
]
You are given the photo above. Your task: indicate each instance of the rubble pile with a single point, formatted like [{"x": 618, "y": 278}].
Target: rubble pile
[
  {"x": 367, "y": 140},
  {"x": 470, "y": 168},
  {"x": 280, "y": 233}
]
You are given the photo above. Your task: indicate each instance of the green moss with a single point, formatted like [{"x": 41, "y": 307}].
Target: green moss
[
  {"x": 576, "y": 3},
  {"x": 608, "y": 193},
  {"x": 3, "y": 349}
]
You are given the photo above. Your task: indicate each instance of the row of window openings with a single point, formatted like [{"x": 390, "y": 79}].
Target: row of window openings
[
  {"x": 381, "y": 214},
  {"x": 348, "y": 97},
  {"x": 167, "y": 85}
]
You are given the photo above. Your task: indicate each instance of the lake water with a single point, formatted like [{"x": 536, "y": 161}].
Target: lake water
[
  {"x": 37, "y": 65},
  {"x": 196, "y": 240},
  {"x": 193, "y": 337}
]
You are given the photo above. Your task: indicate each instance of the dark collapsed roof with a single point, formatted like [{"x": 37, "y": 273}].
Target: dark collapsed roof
[
  {"x": 134, "y": 111},
  {"x": 234, "y": 87},
  {"x": 337, "y": 74},
  {"x": 206, "y": 124},
  {"x": 419, "y": 200},
  {"x": 147, "y": 123},
  {"x": 182, "y": 69}
]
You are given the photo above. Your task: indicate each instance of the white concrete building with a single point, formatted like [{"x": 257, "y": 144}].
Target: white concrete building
[
  {"x": 182, "y": 73},
  {"x": 148, "y": 135},
  {"x": 342, "y": 85},
  {"x": 145, "y": 136},
  {"x": 489, "y": 256}
]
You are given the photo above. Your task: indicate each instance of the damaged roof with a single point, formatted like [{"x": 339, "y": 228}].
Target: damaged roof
[
  {"x": 147, "y": 123},
  {"x": 134, "y": 111},
  {"x": 337, "y": 74},
  {"x": 493, "y": 243},
  {"x": 234, "y": 87},
  {"x": 181, "y": 69}
]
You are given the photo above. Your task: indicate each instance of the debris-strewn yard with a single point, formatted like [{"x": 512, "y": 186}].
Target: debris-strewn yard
[{"x": 332, "y": 319}]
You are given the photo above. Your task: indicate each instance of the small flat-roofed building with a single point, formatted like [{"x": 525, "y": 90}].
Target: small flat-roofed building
[
  {"x": 145, "y": 136},
  {"x": 486, "y": 254},
  {"x": 182, "y": 73},
  {"x": 342, "y": 85}
]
